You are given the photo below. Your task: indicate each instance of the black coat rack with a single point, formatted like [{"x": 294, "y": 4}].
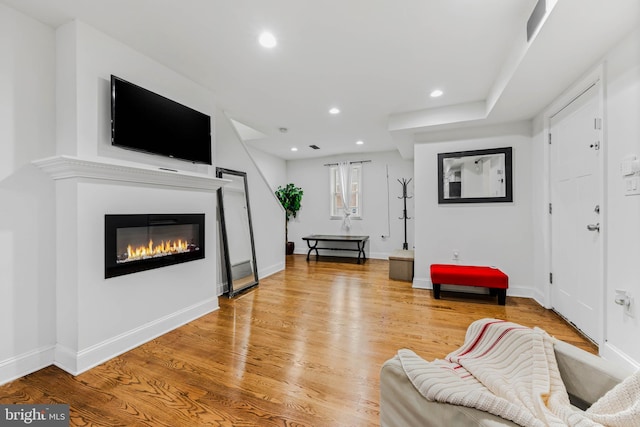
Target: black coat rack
[{"x": 404, "y": 216}]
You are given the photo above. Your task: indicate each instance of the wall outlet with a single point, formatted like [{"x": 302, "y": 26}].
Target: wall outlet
[{"x": 456, "y": 254}]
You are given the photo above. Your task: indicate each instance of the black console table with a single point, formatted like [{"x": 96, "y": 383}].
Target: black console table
[{"x": 360, "y": 241}]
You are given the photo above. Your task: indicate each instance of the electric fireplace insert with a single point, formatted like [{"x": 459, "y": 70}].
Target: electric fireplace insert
[{"x": 142, "y": 242}]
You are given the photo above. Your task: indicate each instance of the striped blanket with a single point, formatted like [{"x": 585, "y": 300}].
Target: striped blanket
[{"x": 505, "y": 369}]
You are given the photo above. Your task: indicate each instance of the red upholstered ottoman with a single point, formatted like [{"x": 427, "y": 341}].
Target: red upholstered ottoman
[{"x": 467, "y": 275}]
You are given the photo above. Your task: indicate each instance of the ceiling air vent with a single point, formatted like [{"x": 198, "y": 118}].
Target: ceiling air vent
[
  {"x": 536, "y": 18},
  {"x": 315, "y": 147}
]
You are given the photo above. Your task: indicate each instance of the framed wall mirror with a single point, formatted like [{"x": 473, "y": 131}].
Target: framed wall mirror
[
  {"x": 478, "y": 176},
  {"x": 238, "y": 249}
]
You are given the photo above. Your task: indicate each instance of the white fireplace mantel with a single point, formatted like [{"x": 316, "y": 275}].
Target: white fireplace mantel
[
  {"x": 67, "y": 167},
  {"x": 147, "y": 304}
]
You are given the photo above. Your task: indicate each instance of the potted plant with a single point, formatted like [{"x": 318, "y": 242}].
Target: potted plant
[{"x": 290, "y": 198}]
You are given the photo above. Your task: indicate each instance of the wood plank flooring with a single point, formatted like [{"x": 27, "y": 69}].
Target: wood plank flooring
[{"x": 303, "y": 349}]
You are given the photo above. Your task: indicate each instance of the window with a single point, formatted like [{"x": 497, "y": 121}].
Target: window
[{"x": 355, "y": 204}]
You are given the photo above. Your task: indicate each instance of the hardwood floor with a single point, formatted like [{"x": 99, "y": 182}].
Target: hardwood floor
[{"x": 303, "y": 349}]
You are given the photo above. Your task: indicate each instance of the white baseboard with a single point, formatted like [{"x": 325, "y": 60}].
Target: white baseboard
[
  {"x": 26, "y": 363},
  {"x": 272, "y": 269},
  {"x": 222, "y": 288},
  {"x": 421, "y": 283},
  {"x": 540, "y": 299},
  {"x": 341, "y": 254},
  {"x": 513, "y": 291},
  {"x": 426, "y": 284},
  {"x": 378, "y": 255},
  {"x": 65, "y": 359},
  {"x": 614, "y": 354},
  {"x": 77, "y": 362}
]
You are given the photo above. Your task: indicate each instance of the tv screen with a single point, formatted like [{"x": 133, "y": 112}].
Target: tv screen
[{"x": 145, "y": 121}]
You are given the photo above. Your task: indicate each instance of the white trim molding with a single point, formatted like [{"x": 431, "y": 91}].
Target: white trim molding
[
  {"x": 26, "y": 363},
  {"x": 611, "y": 352},
  {"x": 81, "y": 203},
  {"x": 66, "y": 167},
  {"x": 78, "y": 362}
]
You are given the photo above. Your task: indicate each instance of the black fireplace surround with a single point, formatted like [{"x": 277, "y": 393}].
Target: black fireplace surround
[{"x": 142, "y": 242}]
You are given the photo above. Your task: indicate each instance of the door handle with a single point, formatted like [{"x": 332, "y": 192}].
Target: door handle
[{"x": 594, "y": 227}]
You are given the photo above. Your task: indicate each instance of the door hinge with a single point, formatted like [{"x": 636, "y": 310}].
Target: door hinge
[
  {"x": 549, "y": 138},
  {"x": 550, "y": 209},
  {"x": 597, "y": 123},
  {"x": 551, "y": 278}
]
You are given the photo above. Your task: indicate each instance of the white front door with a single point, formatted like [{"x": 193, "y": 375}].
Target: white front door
[{"x": 576, "y": 221}]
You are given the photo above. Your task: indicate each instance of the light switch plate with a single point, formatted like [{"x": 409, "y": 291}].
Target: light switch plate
[
  {"x": 630, "y": 308},
  {"x": 629, "y": 165},
  {"x": 632, "y": 185}
]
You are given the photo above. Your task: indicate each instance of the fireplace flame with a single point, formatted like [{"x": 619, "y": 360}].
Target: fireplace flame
[{"x": 152, "y": 251}]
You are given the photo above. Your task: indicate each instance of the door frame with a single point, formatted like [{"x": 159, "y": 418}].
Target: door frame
[{"x": 594, "y": 77}]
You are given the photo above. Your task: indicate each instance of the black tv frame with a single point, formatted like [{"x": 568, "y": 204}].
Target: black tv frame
[{"x": 144, "y": 121}]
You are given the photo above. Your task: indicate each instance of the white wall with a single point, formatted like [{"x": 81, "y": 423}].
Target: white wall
[
  {"x": 497, "y": 234},
  {"x": 623, "y": 212},
  {"x": 274, "y": 169},
  {"x": 379, "y": 214},
  {"x": 41, "y": 117},
  {"x": 267, "y": 215},
  {"x": 97, "y": 317},
  {"x": 27, "y": 216},
  {"x": 86, "y": 61},
  {"x": 621, "y": 228}
]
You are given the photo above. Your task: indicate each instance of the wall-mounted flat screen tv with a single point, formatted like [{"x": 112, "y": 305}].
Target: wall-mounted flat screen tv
[{"x": 144, "y": 121}]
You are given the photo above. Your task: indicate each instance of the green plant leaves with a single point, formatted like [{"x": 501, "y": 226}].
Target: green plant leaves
[{"x": 290, "y": 198}]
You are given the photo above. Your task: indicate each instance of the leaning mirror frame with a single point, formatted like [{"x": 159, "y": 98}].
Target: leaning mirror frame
[
  {"x": 250, "y": 280},
  {"x": 503, "y": 191}
]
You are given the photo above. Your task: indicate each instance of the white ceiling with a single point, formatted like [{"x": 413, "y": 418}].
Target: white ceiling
[{"x": 376, "y": 60}]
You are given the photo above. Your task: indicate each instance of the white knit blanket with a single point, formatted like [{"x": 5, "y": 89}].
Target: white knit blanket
[{"x": 510, "y": 371}]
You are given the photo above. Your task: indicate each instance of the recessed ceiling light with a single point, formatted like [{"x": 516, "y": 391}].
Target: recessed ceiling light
[
  {"x": 334, "y": 110},
  {"x": 436, "y": 93},
  {"x": 360, "y": 142},
  {"x": 294, "y": 149},
  {"x": 267, "y": 40}
]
